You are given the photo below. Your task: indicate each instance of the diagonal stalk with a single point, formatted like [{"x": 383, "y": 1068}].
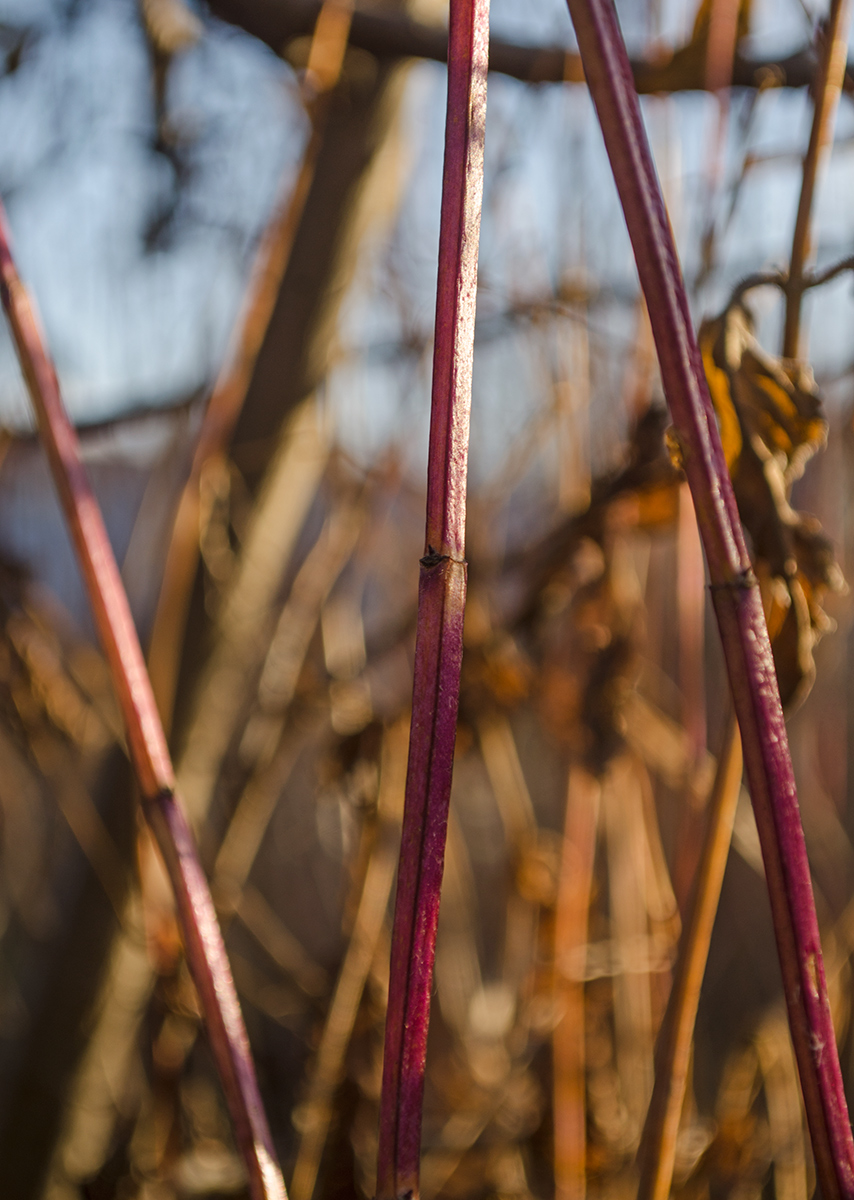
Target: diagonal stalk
[
  {"x": 441, "y": 603},
  {"x": 367, "y": 928},
  {"x": 737, "y": 601},
  {"x": 146, "y": 741},
  {"x": 326, "y": 56},
  {"x": 657, "y": 1153}
]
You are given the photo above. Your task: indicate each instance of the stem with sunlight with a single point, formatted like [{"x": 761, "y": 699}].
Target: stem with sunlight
[
  {"x": 441, "y": 604},
  {"x": 735, "y": 592}
]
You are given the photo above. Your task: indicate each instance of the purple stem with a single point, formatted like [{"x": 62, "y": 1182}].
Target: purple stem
[
  {"x": 146, "y": 741},
  {"x": 441, "y": 604},
  {"x": 734, "y": 590}
]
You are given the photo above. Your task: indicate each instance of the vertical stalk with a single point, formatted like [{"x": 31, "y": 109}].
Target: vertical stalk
[
  {"x": 571, "y": 931},
  {"x": 828, "y": 85},
  {"x": 737, "y": 601},
  {"x": 441, "y": 603},
  {"x": 691, "y": 610},
  {"x": 720, "y": 48},
  {"x": 146, "y": 741},
  {"x": 626, "y": 849},
  {"x": 691, "y": 620}
]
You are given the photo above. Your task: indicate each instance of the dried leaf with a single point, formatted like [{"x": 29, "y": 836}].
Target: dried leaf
[{"x": 771, "y": 422}]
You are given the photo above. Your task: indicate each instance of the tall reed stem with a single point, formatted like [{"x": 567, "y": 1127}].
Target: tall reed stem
[
  {"x": 146, "y": 741},
  {"x": 828, "y": 85},
  {"x": 441, "y": 603},
  {"x": 737, "y": 602}
]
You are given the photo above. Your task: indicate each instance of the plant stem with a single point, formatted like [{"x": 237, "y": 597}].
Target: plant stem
[
  {"x": 328, "y": 46},
  {"x": 367, "y": 928},
  {"x": 572, "y": 915},
  {"x": 146, "y": 741},
  {"x": 737, "y": 601},
  {"x": 394, "y": 35},
  {"x": 657, "y": 1152},
  {"x": 441, "y": 604},
  {"x": 828, "y": 84}
]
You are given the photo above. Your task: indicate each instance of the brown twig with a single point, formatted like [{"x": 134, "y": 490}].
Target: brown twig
[
  {"x": 571, "y": 920},
  {"x": 395, "y": 36},
  {"x": 625, "y": 837},
  {"x": 657, "y": 1152},
  {"x": 780, "y": 280},
  {"x": 828, "y": 84},
  {"x": 146, "y": 741},
  {"x": 326, "y": 56},
  {"x": 370, "y": 916}
]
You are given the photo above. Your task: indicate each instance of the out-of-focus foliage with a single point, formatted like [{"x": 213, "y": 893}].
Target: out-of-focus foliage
[{"x": 147, "y": 143}]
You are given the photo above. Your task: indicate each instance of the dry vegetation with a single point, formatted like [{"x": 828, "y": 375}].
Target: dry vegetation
[{"x": 594, "y": 708}]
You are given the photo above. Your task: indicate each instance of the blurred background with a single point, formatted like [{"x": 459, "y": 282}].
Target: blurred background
[{"x": 228, "y": 214}]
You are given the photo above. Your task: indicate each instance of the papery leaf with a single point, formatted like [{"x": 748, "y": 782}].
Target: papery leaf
[
  {"x": 771, "y": 421},
  {"x": 774, "y": 400}
]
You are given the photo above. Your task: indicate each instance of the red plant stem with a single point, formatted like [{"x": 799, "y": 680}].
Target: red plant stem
[
  {"x": 736, "y": 595},
  {"x": 146, "y": 741},
  {"x": 441, "y": 603}
]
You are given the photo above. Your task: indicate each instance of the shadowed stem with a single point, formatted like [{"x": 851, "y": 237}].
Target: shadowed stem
[
  {"x": 737, "y": 601},
  {"x": 828, "y": 84},
  {"x": 441, "y": 603},
  {"x": 657, "y": 1153},
  {"x": 147, "y": 744}
]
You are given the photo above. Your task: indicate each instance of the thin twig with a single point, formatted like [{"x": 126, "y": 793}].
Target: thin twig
[
  {"x": 780, "y": 280},
  {"x": 657, "y": 1153},
  {"x": 328, "y": 46},
  {"x": 367, "y": 927},
  {"x": 248, "y": 608},
  {"x": 779, "y": 1072},
  {"x": 736, "y": 596},
  {"x": 146, "y": 741},
  {"x": 721, "y": 44},
  {"x": 393, "y": 35},
  {"x": 441, "y": 603},
  {"x": 828, "y": 84},
  {"x": 624, "y": 832},
  {"x": 571, "y": 931}
]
